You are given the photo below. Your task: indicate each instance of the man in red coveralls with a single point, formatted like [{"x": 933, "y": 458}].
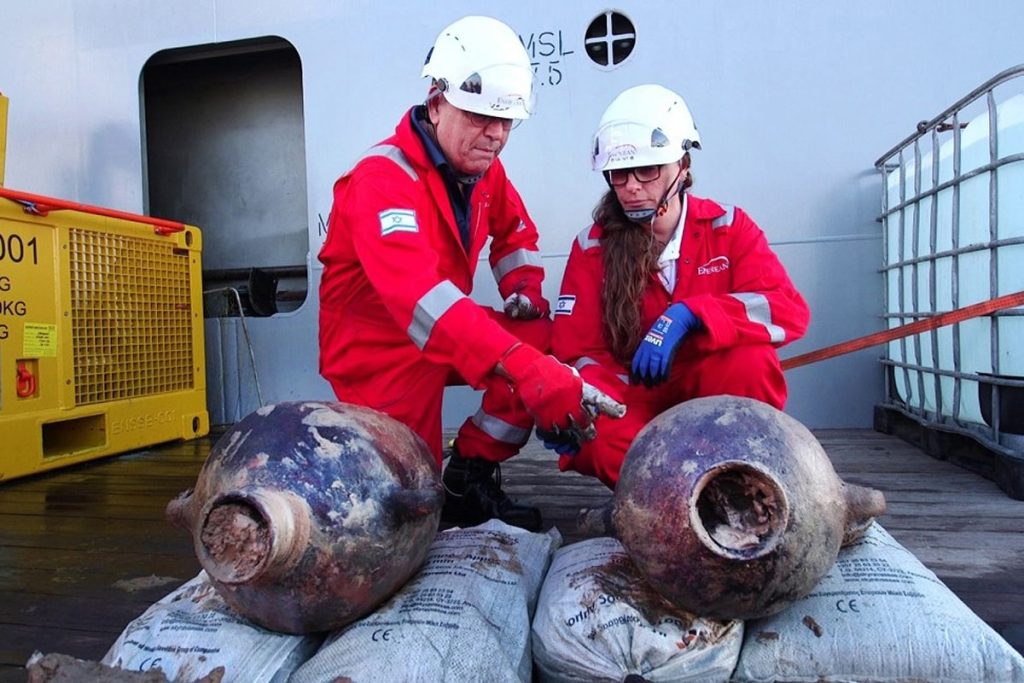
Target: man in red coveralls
[
  {"x": 408, "y": 224},
  {"x": 667, "y": 296}
]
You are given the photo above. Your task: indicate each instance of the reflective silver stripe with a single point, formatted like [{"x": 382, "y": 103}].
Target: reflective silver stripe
[
  {"x": 760, "y": 311},
  {"x": 725, "y": 220},
  {"x": 520, "y": 257},
  {"x": 395, "y": 154},
  {"x": 585, "y": 240},
  {"x": 498, "y": 429},
  {"x": 586, "y": 360},
  {"x": 429, "y": 310}
]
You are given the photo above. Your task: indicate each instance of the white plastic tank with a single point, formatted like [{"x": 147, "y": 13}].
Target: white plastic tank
[{"x": 973, "y": 269}]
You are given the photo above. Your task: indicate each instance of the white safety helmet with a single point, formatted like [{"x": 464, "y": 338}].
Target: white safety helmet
[
  {"x": 481, "y": 66},
  {"x": 646, "y": 125}
]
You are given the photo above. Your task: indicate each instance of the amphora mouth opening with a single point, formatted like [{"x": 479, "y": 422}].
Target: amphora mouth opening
[
  {"x": 249, "y": 533},
  {"x": 739, "y": 511}
]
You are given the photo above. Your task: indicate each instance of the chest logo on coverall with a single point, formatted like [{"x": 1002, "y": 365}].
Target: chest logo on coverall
[
  {"x": 397, "y": 220},
  {"x": 715, "y": 265}
]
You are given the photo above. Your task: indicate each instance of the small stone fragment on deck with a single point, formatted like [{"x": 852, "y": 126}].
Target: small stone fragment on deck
[{"x": 813, "y": 625}]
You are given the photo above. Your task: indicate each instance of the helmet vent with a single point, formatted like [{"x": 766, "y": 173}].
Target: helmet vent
[
  {"x": 658, "y": 138},
  {"x": 472, "y": 84}
]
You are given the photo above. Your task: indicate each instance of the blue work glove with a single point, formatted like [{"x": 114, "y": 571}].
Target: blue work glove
[
  {"x": 653, "y": 358},
  {"x": 563, "y": 442}
]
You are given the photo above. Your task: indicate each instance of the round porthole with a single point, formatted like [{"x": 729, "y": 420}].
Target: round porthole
[{"x": 610, "y": 39}]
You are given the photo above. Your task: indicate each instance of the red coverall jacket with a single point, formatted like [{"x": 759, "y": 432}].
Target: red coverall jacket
[
  {"x": 396, "y": 281},
  {"x": 730, "y": 278}
]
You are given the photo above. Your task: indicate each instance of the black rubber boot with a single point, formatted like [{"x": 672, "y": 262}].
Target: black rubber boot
[{"x": 473, "y": 495}]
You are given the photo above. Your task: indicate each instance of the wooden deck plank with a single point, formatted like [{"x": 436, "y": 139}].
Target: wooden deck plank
[
  {"x": 75, "y": 613},
  {"x": 110, "y": 585},
  {"x": 64, "y": 542},
  {"x": 93, "y": 561},
  {"x": 85, "y": 550}
]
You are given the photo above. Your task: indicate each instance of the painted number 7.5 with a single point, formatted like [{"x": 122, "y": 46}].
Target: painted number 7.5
[{"x": 553, "y": 75}]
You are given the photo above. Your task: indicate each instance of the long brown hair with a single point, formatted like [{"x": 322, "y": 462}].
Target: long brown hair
[{"x": 630, "y": 253}]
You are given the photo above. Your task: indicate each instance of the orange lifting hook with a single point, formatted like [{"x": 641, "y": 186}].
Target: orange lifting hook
[{"x": 26, "y": 381}]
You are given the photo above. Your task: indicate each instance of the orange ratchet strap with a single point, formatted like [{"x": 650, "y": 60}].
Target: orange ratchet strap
[{"x": 916, "y": 327}]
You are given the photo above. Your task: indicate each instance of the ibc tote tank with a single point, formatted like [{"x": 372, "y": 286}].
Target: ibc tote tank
[{"x": 943, "y": 250}]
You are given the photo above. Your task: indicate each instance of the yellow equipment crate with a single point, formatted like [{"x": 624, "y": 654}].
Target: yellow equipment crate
[
  {"x": 3, "y": 136},
  {"x": 101, "y": 333}
]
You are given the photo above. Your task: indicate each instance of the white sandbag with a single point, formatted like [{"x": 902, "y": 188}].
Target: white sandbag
[
  {"x": 878, "y": 615},
  {"x": 598, "y": 620},
  {"x": 464, "y": 617},
  {"x": 192, "y": 631}
]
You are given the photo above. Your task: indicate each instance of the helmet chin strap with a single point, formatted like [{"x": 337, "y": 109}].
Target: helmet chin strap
[
  {"x": 647, "y": 216},
  {"x": 642, "y": 216},
  {"x": 467, "y": 179}
]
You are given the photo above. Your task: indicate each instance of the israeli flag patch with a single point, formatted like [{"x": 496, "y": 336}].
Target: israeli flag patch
[
  {"x": 397, "y": 220},
  {"x": 565, "y": 305}
]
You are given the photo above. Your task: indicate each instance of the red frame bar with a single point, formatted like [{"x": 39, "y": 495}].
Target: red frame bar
[{"x": 41, "y": 206}]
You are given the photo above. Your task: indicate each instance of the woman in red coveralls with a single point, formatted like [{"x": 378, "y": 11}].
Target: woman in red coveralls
[{"x": 666, "y": 296}]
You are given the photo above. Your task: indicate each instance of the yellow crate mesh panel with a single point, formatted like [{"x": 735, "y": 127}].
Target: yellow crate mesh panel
[{"x": 131, "y": 317}]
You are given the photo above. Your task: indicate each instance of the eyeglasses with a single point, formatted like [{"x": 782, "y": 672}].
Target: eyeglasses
[
  {"x": 643, "y": 174},
  {"x": 483, "y": 120}
]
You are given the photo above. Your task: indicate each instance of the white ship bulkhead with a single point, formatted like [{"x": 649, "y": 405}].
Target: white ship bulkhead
[{"x": 238, "y": 115}]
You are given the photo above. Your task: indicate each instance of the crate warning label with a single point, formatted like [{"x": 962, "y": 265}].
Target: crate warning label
[{"x": 40, "y": 341}]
